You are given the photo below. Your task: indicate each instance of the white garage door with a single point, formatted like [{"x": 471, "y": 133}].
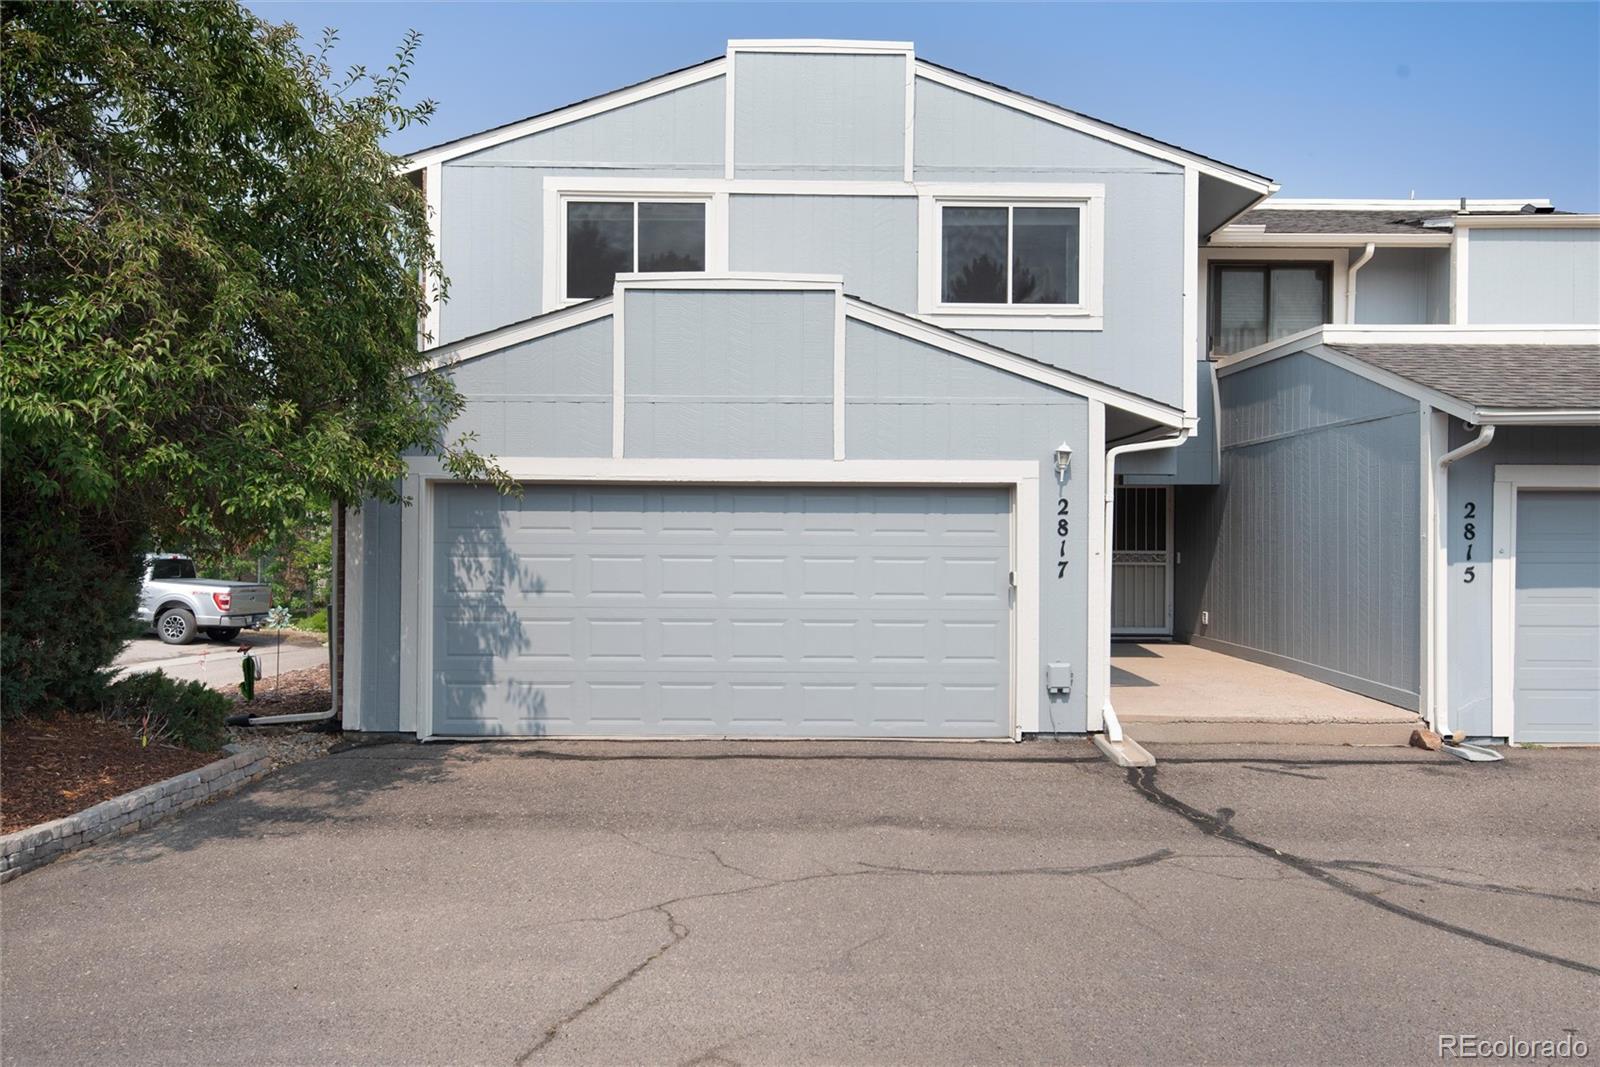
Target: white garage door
[
  {"x": 747, "y": 611},
  {"x": 1558, "y": 617}
]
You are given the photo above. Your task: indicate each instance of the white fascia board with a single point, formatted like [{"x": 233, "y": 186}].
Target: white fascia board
[
  {"x": 1083, "y": 124},
  {"x": 1012, "y": 363},
  {"x": 1250, "y": 238},
  {"x": 1446, "y": 333},
  {"x": 822, "y": 45},
  {"x": 712, "y": 68},
  {"x": 1545, "y": 417},
  {"x": 1528, "y": 222},
  {"x": 518, "y": 333},
  {"x": 732, "y": 281},
  {"x": 623, "y": 185},
  {"x": 1289, "y": 203}
]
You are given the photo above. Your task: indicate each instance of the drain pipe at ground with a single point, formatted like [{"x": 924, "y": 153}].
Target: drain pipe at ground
[
  {"x": 1441, "y": 583},
  {"x": 1110, "y": 723}
]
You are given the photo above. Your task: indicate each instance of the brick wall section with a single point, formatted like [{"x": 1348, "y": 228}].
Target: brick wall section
[{"x": 36, "y": 846}]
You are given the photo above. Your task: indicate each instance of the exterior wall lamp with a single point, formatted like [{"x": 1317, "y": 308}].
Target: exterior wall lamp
[{"x": 1063, "y": 458}]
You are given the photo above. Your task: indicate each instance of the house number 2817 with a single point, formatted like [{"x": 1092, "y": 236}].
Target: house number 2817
[{"x": 1062, "y": 527}]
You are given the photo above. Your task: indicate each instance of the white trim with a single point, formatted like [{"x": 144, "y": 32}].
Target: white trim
[
  {"x": 1527, "y": 222},
  {"x": 1097, "y": 677},
  {"x": 999, "y": 358},
  {"x": 1021, "y": 477},
  {"x": 728, "y": 123},
  {"x": 433, "y": 198},
  {"x": 733, "y": 280},
  {"x": 1189, "y": 248},
  {"x": 1090, "y": 201},
  {"x": 1458, "y": 278},
  {"x": 911, "y": 116},
  {"x": 415, "y": 632},
  {"x": 1229, "y": 237},
  {"x": 1289, "y": 203},
  {"x": 1541, "y": 416},
  {"x": 666, "y": 83},
  {"x": 1083, "y": 124},
  {"x": 1509, "y": 480},
  {"x": 619, "y": 377},
  {"x": 838, "y": 378},
  {"x": 518, "y": 332},
  {"x": 352, "y": 609},
  {"x": 821, "y": 46},
  {"x": 1434, "y": 485}
]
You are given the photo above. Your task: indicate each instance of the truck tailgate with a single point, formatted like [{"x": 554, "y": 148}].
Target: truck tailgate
[{"x": 250, "y": 600}]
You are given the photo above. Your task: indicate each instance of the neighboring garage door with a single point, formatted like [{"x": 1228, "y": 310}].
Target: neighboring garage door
[
  {"x": 744, "y": 611},
  {"x": 1558, "y": 616}
]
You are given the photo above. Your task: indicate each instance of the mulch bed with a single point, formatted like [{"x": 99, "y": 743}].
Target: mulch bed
[{"x": 50, "y": 768}]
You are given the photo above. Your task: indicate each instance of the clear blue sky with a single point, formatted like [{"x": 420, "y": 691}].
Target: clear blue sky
[{"x": 1330, "y": 99}]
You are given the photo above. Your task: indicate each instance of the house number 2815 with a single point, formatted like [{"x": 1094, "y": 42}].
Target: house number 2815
[
  {"x": 1062, "y": 528},
  {"x": 1469, "y": 531}
]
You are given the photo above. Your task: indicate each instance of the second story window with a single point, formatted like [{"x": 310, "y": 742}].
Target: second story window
[
  {"x": 610, "y": 237},
  {"x": 1253, "y": 303},
  {"x": 1010, "y": 254}
]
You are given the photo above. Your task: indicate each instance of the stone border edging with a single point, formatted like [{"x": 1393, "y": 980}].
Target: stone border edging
[{"x": 24, "y": 850}]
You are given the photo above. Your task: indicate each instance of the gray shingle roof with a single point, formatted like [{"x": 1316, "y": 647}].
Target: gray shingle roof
[
  {"x": 1361, "y": 220},
  {"x": 1494, "y": 376},
  {"x": 1309, "y": 220}
]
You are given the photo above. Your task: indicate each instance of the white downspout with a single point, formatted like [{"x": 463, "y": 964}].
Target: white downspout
[
  {"x": 1108, "y": 714},
  {"x": 1441, "y": 579},
  {"x": 1350, "y": 281}
]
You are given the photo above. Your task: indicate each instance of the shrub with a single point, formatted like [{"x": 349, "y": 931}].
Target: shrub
[
  {"x": 185, "y": 713},
  {"x": 317, "y": 621}
]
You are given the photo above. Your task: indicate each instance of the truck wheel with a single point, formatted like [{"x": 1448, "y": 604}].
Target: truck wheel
[
  {"x": 223, "y": 633},
  {"x": 175, "y": 626}
]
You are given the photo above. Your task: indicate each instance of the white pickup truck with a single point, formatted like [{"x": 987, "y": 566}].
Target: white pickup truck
[{"x": 177, "y": 605}]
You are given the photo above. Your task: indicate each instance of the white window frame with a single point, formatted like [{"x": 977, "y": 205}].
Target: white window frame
[
  {"x": 1509, "y": 480},
  {"x": 1087, "y": 314},
  {"x": 559, "y": 197}
]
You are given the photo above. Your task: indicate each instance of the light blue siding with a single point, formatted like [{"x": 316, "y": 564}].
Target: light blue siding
[
  {"x": 1196, "y": 461},
  {"x": 1470, "y": 604},
  {"x": 379, "y": 684},
  {"x": 870, "y": 240},
  {"x": 492, "y": 202},
  {"x": 907, "y": 400},
  {"x": 1404, "y": 285},
  {"x": 819, "y": 116},
  {"x": 961, "y": 137},
  {"x": 548, "y": 397},
  {"x": 1306, "y": 556},
  {"x": 1533, "y": 276},
  {"x": 738, "y": 374}
]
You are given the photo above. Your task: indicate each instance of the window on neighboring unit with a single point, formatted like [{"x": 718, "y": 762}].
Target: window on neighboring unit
[
  {"x": 1010, "y": 254},
  {"x": 1253, "y": 303},
  {"x": 610, "y": 237}
]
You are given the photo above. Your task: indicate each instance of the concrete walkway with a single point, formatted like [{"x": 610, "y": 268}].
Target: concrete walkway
[
  {"x": 216, "y": 663},
  {"x": 1174, "y": 693}
]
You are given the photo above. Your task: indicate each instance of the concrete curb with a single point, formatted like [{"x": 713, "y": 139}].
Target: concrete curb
[{"x": 24, "y": 850}]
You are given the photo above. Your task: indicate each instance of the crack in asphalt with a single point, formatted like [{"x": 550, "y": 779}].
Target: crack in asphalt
[
  {"x": 1143, "y": 780},
  {"x": 676, "y": 933},
  {"x": 1418, "y": 878}
]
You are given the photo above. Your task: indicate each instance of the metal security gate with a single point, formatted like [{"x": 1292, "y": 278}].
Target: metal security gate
[
  {"x": 715, "y": 611},
  {"x": 1141, "y": 563}
]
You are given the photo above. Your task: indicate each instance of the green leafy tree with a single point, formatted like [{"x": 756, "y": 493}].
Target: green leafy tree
[{"x": 212, "y": 281}]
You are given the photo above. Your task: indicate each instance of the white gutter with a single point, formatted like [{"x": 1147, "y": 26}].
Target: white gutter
[
  {"x": 1350, "y": 281},
  {"x": 1441, "y": 578},
  {"x": 1110, "y": 722}
]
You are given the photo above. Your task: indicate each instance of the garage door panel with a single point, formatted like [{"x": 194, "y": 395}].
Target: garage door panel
[
  {"x": 683, "y": 611},
  {"x": 1557, "y": 659}
]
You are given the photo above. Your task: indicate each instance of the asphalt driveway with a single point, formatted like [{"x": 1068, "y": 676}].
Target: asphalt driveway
[{"x": 795, "y": 903}]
